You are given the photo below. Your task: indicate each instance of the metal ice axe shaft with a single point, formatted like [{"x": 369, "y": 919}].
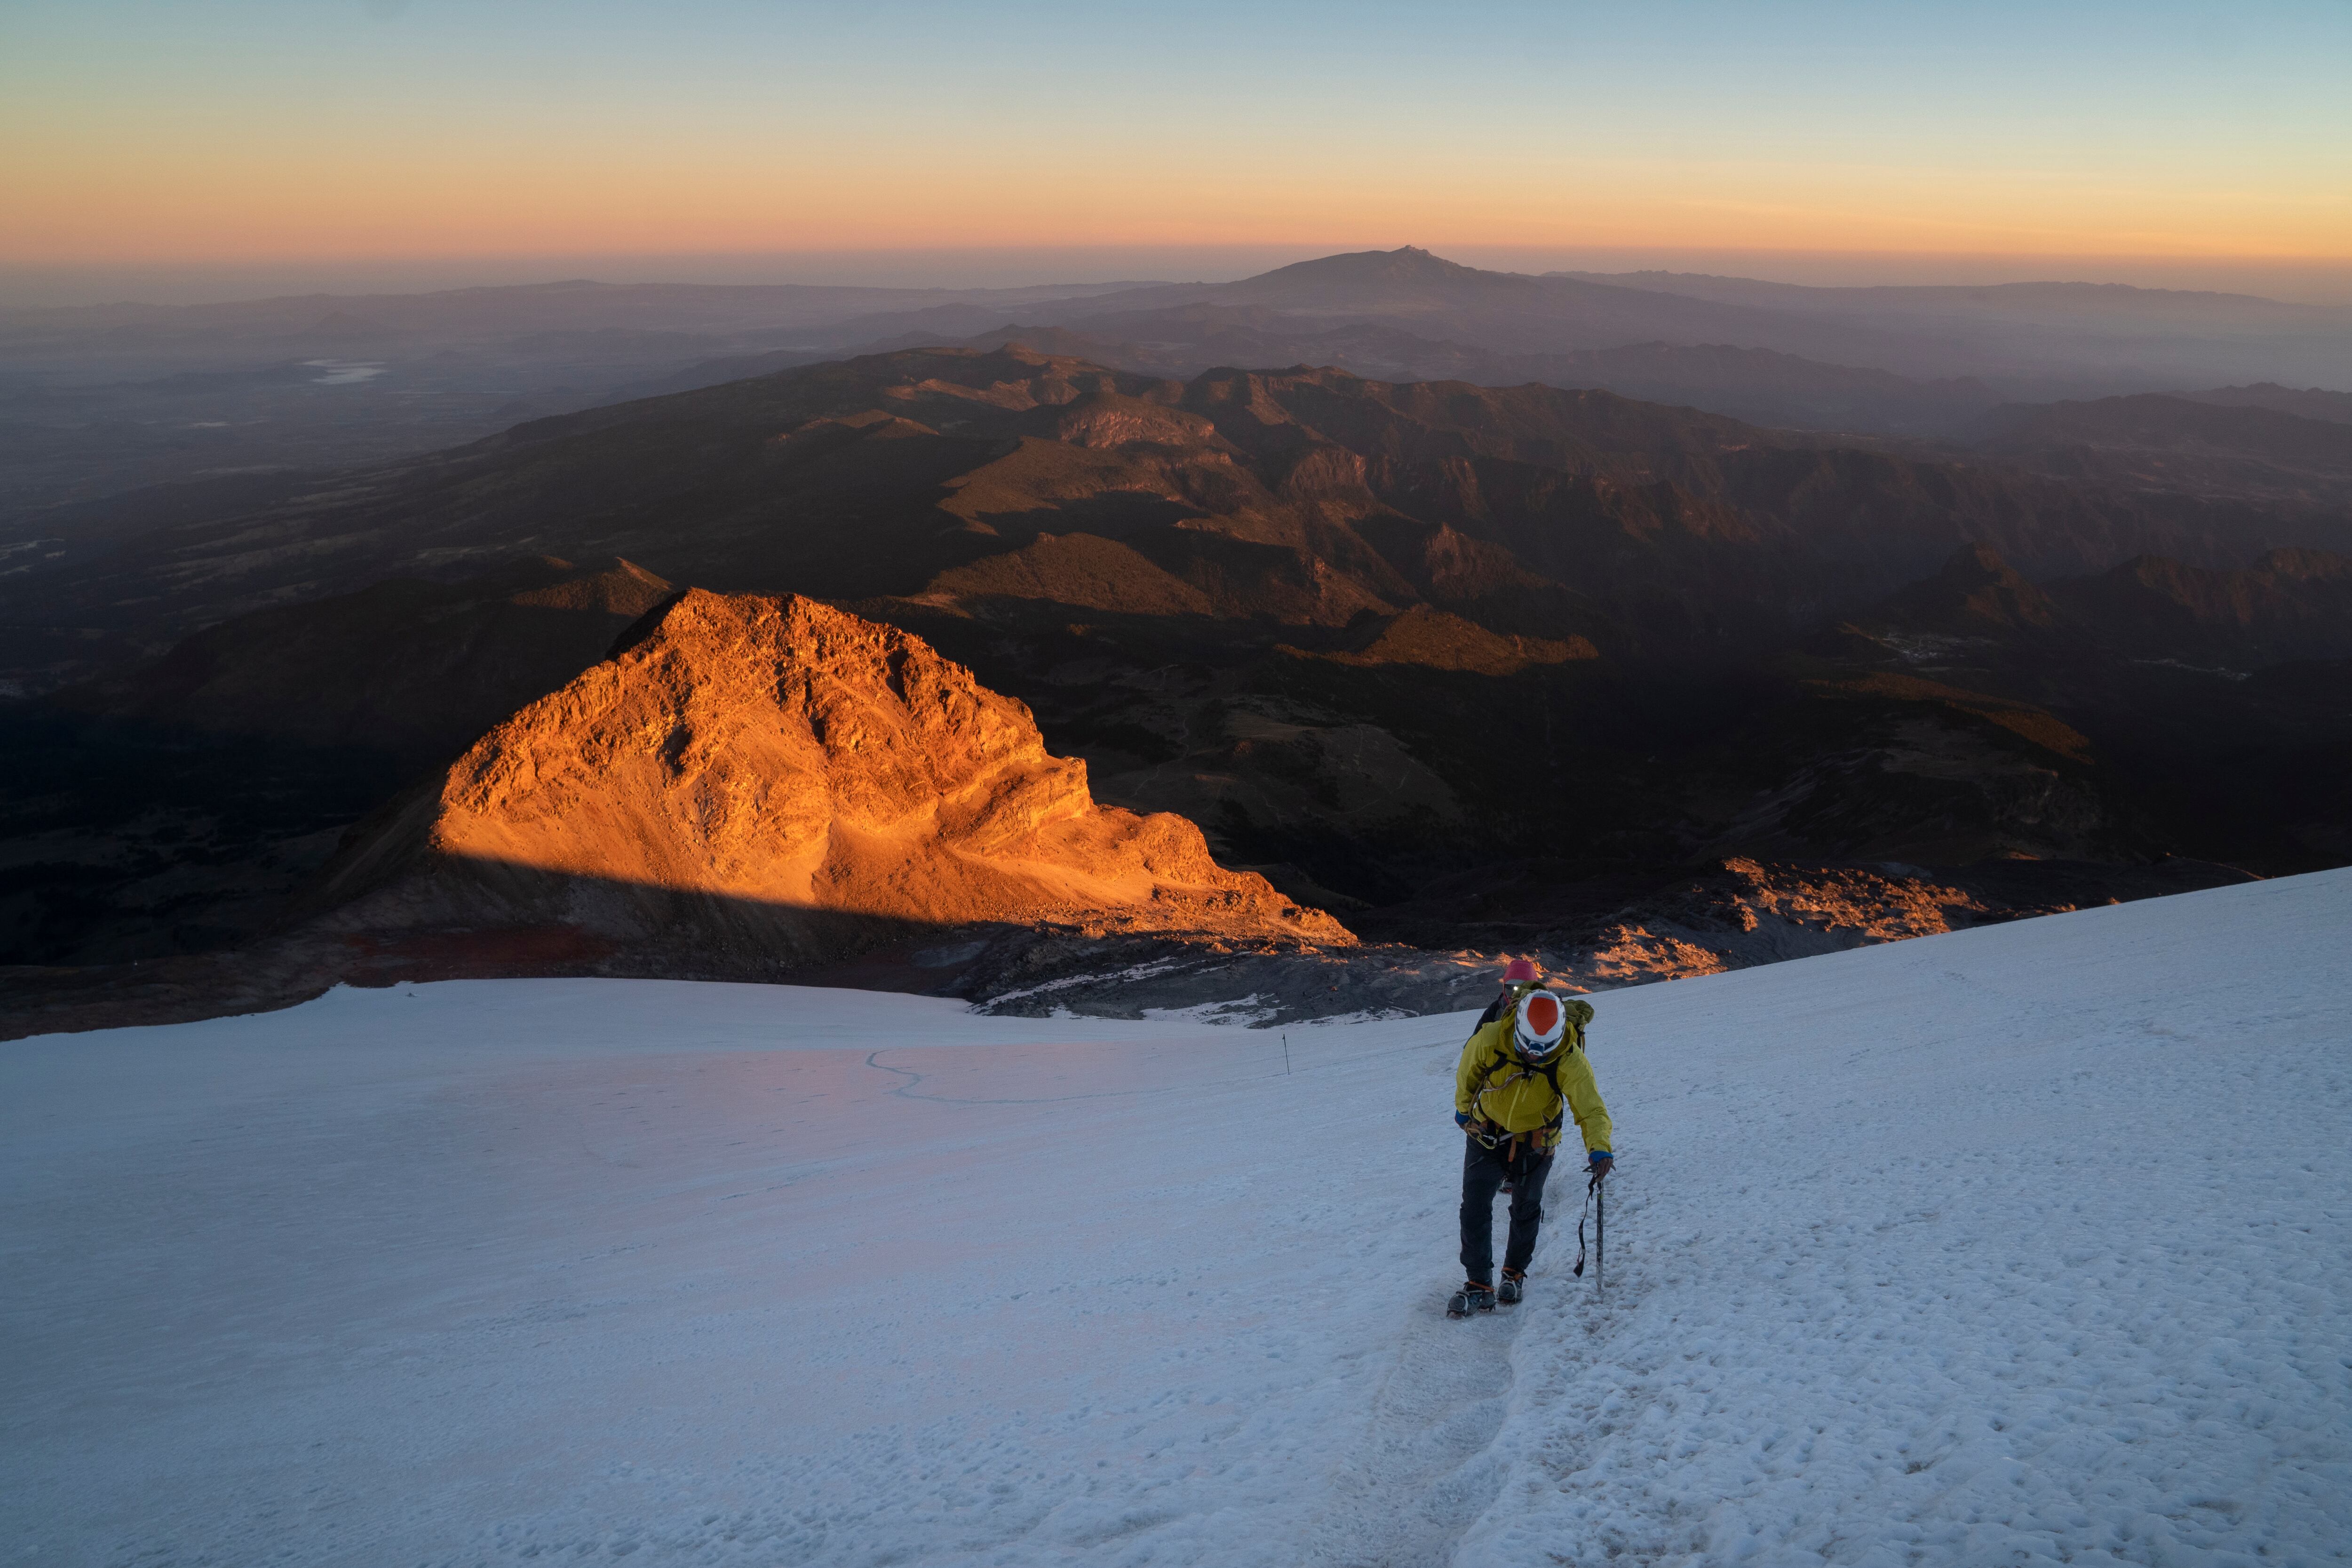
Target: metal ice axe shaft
[
  {"x": 1596, "y": 1200},
  {"x": 1600, "y": 1236}
]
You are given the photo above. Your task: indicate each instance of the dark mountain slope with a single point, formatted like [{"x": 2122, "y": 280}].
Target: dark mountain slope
[
  {"x": 1758, "y": 385},
  {"x": 98, "y": 401},
  {"x": 2213, "y": 701},
  {"x": 2154, "y": 421},
  {"x": 1371, "y": 639},
  {"x": 1303, "y": 498},
  {"x": 2180, "y": 445},
  {"x": 1502, "y": 312},
  {"x": 174, "y": 803},
  {"x": 2309, "y": 403},
  {"x": 2291, "y": 603},
  {"x": 411, "y": 669},
  {"x": 1975, "y": 592},
  {"x": 2107, "y": 336}
]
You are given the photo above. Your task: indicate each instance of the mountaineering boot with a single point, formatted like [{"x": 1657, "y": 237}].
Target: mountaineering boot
[
  {"x": 1476, "y": 1296},
  {"x": 1514, "y": 1287}
]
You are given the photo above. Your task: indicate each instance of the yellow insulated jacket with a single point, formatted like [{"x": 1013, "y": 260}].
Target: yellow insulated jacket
[{"x": 1495, "y": 1086}]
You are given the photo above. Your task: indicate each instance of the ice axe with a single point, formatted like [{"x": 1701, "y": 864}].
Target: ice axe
[{"x": 1596, "y": 1199}]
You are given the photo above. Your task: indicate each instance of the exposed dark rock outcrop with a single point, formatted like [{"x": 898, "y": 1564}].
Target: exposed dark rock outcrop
[{"x": 1734, "y": 914}]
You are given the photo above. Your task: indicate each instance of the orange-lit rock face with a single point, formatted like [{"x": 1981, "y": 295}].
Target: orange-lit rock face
[
  {"x": 1756, "y": 914},
  {"x": 778, "y": 752}
]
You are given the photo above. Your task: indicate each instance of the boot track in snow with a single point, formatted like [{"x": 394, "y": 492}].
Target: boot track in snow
[{"x": 1423, "y": 1472}]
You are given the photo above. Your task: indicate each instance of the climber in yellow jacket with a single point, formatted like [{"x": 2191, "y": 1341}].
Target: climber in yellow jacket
[{"x": 1522, "y": 1075}]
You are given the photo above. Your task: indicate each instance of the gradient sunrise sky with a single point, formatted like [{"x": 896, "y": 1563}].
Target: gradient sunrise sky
[{"x": 249, "y": 130}]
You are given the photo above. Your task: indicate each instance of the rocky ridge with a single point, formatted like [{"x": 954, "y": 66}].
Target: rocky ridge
[
  {"x": 755, "y": 788},
  {"x": 781, "y": 781},
  {"x": 747, "y": 788},
  {"x": 1379, "y": 643},
  {"x": 1735, "y": 914}
]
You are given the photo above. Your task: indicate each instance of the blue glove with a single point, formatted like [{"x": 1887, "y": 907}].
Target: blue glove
[
  {"x": 1462, "y": 1119},
  {"x": 1599, "y": 1164}
]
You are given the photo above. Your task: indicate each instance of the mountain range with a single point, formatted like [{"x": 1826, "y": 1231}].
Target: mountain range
[
  {"x": 1517, "y": 667},
  {"x": 98, "y": 401}
]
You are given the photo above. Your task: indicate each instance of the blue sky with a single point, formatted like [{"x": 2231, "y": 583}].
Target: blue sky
[{"x": 251, "y": 131}]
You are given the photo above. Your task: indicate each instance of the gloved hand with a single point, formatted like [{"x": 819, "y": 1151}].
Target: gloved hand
[
  {"x": 1462, "y": 1119},
  {"x": 1599, "y": 1164}
]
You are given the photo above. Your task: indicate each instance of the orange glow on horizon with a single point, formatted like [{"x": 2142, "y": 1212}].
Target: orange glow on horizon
[
  {"x": 132, "y": 133},
  {"x": 98, "y": 205}
]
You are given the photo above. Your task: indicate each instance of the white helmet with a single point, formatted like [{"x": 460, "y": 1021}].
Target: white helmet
[{"x": 1539, "y": 1025}]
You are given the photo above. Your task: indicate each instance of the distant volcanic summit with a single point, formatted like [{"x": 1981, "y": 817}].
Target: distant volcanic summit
[
  {"x": 1383, "y": 274},
  {"x": 750, "y": 786}
]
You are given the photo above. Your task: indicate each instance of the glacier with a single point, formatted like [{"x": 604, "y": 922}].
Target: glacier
[{"x": 2026, "y": 1244}]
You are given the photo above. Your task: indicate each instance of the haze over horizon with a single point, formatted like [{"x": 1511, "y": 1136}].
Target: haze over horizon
[
  {"x": 2324, "y": 282},
  {"x": 264, "y": 146}
]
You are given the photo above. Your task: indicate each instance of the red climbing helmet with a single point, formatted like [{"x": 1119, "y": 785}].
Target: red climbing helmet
[{"x": 1520, "y": 969}]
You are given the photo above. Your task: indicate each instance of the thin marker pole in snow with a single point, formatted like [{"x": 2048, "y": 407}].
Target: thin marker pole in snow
[{"x": 1285, "y": 1056}]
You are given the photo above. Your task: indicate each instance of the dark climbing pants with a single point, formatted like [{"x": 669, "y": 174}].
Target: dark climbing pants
[{"x": 1484, "y": 1171}]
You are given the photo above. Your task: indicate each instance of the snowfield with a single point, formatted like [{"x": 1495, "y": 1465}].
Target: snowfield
[{"x": 2030, "y": 1244}]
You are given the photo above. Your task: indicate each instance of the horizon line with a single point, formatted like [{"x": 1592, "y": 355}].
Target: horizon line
[{"x": 48, "y": 283}]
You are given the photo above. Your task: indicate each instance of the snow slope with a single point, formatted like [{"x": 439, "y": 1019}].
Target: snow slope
[{"x": 2022, "y": 1245}]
